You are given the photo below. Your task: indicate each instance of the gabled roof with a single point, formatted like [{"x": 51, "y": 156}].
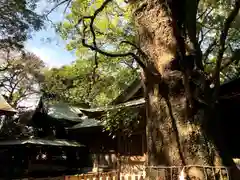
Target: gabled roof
[
  {"x": 5, "y": 107},
  {"x": 136, "y": 102},
  {"x": 132, "y": 96},
  {"x": 134, "y": 88},
  {"x": 58, "y": 114},
  {"x": 86, "y": 123},
  {"x": 93, "y": 113},
  {"x": 61, "y": 114},
  {"x": 55, "y": 142},
  {"x": 64, "y": 111}
]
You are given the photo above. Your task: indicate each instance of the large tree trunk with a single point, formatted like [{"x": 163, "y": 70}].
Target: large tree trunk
[{"x": 178, "y": 123}]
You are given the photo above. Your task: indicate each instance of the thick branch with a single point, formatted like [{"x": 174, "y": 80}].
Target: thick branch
[
  {"x": 223, "y": 38},
  {"x": 94, "y": 47},
  {"x": 93, "y": 75},
  {"x": 136, "y": 47}
]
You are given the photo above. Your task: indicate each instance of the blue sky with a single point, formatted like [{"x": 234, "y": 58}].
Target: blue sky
[{"x": 53, "y": 53}]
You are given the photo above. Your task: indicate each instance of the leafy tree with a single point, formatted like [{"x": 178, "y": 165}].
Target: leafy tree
[
  {"x": 185, "y": 49},
  {"x": 20, "y": 76},
  {"x": 17, "y": 19},
  {"x": 82, "y": 82}
]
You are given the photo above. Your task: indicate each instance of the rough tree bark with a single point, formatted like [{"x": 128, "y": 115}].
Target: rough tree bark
[{"x": 180, "y": 111}]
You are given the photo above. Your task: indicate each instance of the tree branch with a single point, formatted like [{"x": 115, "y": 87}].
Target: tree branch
[
  {"x": 203, "y": 35},
  {"x": 93, "y": 75},
  {"x": 22, "y": 97},
  {"x": 136, "y": 47},
  {"x": 68, "y": 4},
  {"x": 209, "y": 50},
  {"x": 96, "y": 66},
  {"x": 59, "y": 4},
  {"x": 207, "y": 12},
  {"x": 223, "y": 37},
  {"x": 235, "y": 57},
  {"x": 94, "y": 47}
]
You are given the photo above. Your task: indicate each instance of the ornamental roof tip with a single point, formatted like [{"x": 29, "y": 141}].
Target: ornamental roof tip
[{"x": 4, "y": 106}]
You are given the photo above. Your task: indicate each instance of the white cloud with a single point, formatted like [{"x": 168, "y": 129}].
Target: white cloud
[
  {"x": 52, "y": 57},
  {"x": 46, "y": 55}
]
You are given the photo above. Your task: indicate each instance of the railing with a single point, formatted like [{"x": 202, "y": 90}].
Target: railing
[
  {"x": 192, "y": 171},
  {"x": 94, "y": 176},
  {"x": 46, "y": 178},
  {"x": 156, "y": 173},
  {"x": 105, "y": 176}
]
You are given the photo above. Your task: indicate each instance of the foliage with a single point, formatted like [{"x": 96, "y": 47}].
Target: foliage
[
  {"x": 113, "y": 25},
  {"x": 17, "y": 19},
  {"x": 125, "y": 120},
  {"x": 81, "y": 83},
  {"x": 113, "y": 28},
  {"x": 20, "y": 76},
  {"x": 11, "y": 129},
  {"x": 105, "y": 26},
  {"x": 211, "y": 18}
]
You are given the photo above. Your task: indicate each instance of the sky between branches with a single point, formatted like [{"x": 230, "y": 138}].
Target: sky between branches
[{"x": 53, "y": 51}]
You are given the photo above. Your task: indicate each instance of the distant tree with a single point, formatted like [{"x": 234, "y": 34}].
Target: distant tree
[
  {"x": 81, "y": 82},
  {"x": 20, "y": 76},
  {"x": 17, "y": 20}
]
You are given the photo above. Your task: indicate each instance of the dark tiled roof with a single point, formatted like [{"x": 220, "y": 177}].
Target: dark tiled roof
[
  {"x": 64, "y": 111},
  {"x": 136, "y": 102},
  {"x": 128, "y": 93},
  {"x": 87, "y": 123},
  {"x": 55, "y": 142}
]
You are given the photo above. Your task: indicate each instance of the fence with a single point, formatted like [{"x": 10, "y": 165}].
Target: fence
[
  {"x": 105, "y": 176},
  {"x": 94, "y": 176},
  {"x": 157, "y": 173},
  {"x": 192, "y": 171},
  {"x": 132, "y": 167},
  {"x": 46, "y": 178}
]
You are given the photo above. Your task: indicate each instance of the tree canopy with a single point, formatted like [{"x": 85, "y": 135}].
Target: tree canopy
[
  {"x": 20, "y": 76},
  {"x": 103, "y": 34},
  {"x": 84, "y": 83},
  {"x": 98, "y": 79},
  {"x": 104, "y": 31},
  {"x": 17, "y": 20},
  {"x": 108, "y": 28}
]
